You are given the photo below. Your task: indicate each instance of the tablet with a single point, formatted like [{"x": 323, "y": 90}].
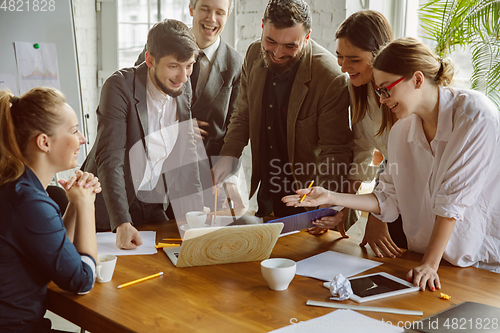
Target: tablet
[
  {"x": 304, "y": 220},
  {"x": 378, "y": 285}
]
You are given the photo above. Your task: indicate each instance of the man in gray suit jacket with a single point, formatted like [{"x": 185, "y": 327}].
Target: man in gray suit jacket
[
  {"x": 142, "y": 117},
  {"x": 218, "y": 81}
]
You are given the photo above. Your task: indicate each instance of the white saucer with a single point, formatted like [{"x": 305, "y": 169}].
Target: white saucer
[{"x": 185, "y": 227}]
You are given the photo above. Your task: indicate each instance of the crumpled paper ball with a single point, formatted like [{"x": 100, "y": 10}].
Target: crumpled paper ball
[{"x": 340, "y": 287}]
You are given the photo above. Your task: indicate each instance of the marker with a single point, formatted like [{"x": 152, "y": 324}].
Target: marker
[
  {"x": 139, "y": 280},
  {"x": 304, "y": 196}
]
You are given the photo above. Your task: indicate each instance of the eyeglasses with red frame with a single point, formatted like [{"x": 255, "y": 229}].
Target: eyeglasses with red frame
[{"x": 384, "y": 91}]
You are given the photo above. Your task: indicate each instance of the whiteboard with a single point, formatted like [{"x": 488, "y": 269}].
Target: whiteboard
[{"x": 44, "y": 21}]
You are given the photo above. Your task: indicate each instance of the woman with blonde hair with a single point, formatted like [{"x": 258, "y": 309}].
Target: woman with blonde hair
[
  {"x": 40, "y": 137},
  {"x": 442, "y": 175}
]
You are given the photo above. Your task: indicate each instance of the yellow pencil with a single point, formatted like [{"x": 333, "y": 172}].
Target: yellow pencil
[
  {"x": 304, "y": 196},
  {"x": 161, "y": 245},
  {"x": 139, "y": 280},
  {"x": 173, "y": 239}
]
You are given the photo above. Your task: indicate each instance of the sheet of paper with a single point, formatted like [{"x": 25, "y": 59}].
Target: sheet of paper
[
  {"x": 106, "y": 244},
  {"x": 325, "y": 266},
  {"x": 303, "y": 221},
  {"x": 37, "y": 65},
  {"x": 8, "y": 81},
  {"x": 339, "y": 321}
]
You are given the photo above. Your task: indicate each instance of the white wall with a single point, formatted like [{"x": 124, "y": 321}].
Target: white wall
[
  {"x": 326, "y": 17},
  {"x": 86, "y": 43}
]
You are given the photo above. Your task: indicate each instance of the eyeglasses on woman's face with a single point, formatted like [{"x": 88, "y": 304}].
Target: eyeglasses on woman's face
[{"x": 384, "y": 91}]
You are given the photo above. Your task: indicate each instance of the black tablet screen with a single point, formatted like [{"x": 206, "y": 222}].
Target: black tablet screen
[{"x": 374, "y": 285}]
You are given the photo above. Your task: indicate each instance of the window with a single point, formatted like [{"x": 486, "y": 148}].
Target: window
[
  {"x": 135, "y": 18},
  {"x": 404, "y": 20}
]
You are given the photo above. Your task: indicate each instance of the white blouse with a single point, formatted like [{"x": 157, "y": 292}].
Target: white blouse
[
  {"x": 366, "y": 140},
  {"x": 456, "y": 176}
]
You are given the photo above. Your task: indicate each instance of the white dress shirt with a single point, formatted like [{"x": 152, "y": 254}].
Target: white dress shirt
[
  {"x": 206, "y": 66},
  {"x": 456, "y": 176},
  {"x": 163, "y": 127},
  {"x": 366, "y": 139}
]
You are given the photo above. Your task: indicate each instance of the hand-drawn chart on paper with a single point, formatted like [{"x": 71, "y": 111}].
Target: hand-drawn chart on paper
[{"x": 37, "y": 65}]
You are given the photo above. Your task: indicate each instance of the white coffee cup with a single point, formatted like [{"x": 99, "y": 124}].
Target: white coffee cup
[
  {"x": 196, "y": 219},
  {"x": 278, "y": 272},
  {"x": 105, "y": 267}
]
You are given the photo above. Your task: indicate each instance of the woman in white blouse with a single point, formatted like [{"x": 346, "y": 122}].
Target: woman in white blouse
[
  {"x": 359, "y": 37},
  {"x": 442, "y": 176}
]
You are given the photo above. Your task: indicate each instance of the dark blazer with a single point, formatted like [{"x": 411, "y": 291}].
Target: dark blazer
[
  {"x": 122, "y": 117},
  {"x": 318, "y": 133},
  {"x": 216, "y": 102}
]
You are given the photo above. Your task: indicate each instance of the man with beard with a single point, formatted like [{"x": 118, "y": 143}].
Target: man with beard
[
  {"x": 293, "y": 107},
  {"x": 142, "y": 117},
  {"x": 216, "y": 86}
]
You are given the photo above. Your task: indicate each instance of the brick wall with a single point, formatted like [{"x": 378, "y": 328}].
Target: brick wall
[{"x": 326, "y": 17}]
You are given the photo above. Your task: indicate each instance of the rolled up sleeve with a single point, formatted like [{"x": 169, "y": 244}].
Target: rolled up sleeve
[{"x": 385, "y": 192}]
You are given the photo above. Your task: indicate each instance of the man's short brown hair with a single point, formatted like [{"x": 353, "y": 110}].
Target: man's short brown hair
[
  {"x": 171, "y": 37},
  {"x": 288, "y": 13}
]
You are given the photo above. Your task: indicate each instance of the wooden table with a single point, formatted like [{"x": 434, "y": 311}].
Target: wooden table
[{"x": 235, "y": 297}]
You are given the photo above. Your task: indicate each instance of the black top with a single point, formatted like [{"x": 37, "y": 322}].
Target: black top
[{"x": 277, "y": 179}]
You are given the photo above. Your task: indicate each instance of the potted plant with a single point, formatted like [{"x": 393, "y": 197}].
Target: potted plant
[{"x": 470, "y": 23}]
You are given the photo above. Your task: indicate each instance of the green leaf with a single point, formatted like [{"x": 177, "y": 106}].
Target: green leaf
[{"x": 474, "y": 23}]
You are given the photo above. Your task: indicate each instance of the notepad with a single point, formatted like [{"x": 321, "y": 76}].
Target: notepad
[
  {"x": 106, "y": 244},
  {"x": 325, "y": 266},
  {"x": 338, "y": 321}
]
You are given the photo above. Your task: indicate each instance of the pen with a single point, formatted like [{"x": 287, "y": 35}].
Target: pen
[
  {"x": 139, "y": 280},
  {"x": 304, "y": 196}
]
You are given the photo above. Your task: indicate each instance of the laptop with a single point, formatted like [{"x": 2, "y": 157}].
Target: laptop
[{"x": 225, "y": 245}]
